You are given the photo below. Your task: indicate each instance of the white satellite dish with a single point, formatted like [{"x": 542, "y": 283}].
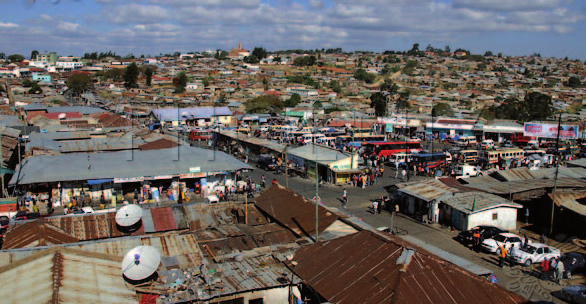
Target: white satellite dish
[
  {"x": 141, "y": 262},
  {"x": 62, "y": 116},
  {"x": 128, "y": 215},
  {"x": 184, "y": 114}
]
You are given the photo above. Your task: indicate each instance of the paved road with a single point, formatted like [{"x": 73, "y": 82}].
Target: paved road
[{"x": 522, "y": 280}]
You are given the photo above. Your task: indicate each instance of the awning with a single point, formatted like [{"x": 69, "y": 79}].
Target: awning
[{"x": 99, "y": 181}]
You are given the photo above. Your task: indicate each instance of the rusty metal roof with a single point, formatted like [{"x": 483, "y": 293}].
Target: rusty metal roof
[
  {"x": 428, "y": 190},
  {"x": 227, "y": 239},
  {"x": 365, "y": 268},
  {"x": 200, "y": 216},
  {"x": 294, "y": 211},
  {"x": 517, "y": 174},
  {"x": 570, "y": 201},
  {"x": 60, "y": 275},
  {"x": 34, "y": 234},
  {"x": 524, "y": 185},
  {"x": 481, "y": 201}
]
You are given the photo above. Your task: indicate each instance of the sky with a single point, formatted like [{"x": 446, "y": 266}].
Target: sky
[{"x": 150, "y": 27}]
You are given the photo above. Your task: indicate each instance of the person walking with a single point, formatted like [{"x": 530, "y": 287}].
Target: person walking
[
  {"x": 559, "y": 272},
  {"x": 344, "y": 198},
  {"x": 476, "y": 240},
  {"x": 545, "y": 269},
  {"x": 374, "y": 207},
  {"x": 502, "y": 255},
  {"x": 553, "y": 263},
  {"x": 404, "y": 173},
  {"x": 527, "y": 216},
  {"x": 263, "y": 181}
]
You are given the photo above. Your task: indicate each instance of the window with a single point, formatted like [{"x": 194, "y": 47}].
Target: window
[
  {"x": 495, "y": 216},
  {"x": 256, "y": 301},
  {"x": 539, "y": 250},
  {"x": 545, "y": 249}
]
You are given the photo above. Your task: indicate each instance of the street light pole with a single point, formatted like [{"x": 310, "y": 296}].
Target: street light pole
[{"x": 557, "y": 166}]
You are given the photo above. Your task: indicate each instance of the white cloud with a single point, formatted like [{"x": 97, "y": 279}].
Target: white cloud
[
  {"x": 8, "y": 24},
  {"x": 507, "y": 5},
  {"x": 136, "y": 13},
  {"x": 223, "y": 3}
]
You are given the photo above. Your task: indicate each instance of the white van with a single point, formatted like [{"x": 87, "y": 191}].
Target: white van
[
  {"x": 487, "y": 144},
  {"x": 326, "y": 141},
  {"x": 466, "y": 171},
  {"x": 399, "y": 158},
  {"x": 466, "y": 141}
]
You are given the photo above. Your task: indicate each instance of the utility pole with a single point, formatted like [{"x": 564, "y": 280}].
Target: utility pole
[
  {"x": 316, "y": 186},
  {"x": 557, "y": 167},
  {"x": 1, "y": 163}
]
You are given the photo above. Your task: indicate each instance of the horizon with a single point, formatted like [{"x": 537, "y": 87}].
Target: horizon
[{"x": 153, "y": 27}]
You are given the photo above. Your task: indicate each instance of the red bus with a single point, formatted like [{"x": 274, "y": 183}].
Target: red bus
[
  {"x": 200, "y": 135},
  {"x": 388, "y": 148}
]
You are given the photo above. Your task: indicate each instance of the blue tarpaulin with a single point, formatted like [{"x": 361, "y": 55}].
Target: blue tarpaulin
[{"x": 99, "y": 181}]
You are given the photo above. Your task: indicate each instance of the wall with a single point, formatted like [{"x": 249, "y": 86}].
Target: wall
[
  {"x": 274, "y": 295},
  {"x": 507, "y": 218}
]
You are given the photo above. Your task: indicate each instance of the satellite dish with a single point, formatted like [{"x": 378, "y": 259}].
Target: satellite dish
[
  {"x": 184, "y": 114},
  {"x": 140, "y": 262},
  {"x": 128, "y": 215},
  {"x": 62, "y": 116}
]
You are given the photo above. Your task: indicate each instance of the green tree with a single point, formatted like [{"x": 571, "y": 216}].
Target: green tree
[
  {"x": 336, "y": 87},
  {"x": 378, "y": 102},
  {"x": 574, "y": 82},
  {"x": 361, "y": 74},
  {"x": 403, "y": 100},
  {"x": 277, "y": 59},
  {"x": 180, "y": 81},
  {"x": 206, "y": 81},
  {"x": 252, "y": 59},
  {"x": 27, "y": 83},
  {"x": 442, "y": 109},
  {"x": 15, "y": 58},
  {"x": 35, "y": 89},
  {"x": 223, "y": 99},
  {"x": 317, "y": 105},
  {"x": 264, "y": 104},
  {"x": 78, "y": 83},
  {"x": 293, "y": 101},
  {"x": 265, "y": 83},
  {"x": 34, "y": 54},
  {"x": 2, "y": 55},
  {"x": 130, "y": 76},
  {"x": 148, "y": 72},
  {"x": 259, "y": 52}
]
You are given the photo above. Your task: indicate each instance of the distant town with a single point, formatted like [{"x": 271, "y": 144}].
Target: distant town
[{"x": 426, "y": 175}]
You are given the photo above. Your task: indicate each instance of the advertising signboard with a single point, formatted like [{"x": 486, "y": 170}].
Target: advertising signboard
[{"x": 550, "y": 130}]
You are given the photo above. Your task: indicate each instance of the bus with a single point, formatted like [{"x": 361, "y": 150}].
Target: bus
[
  {"x": 200, "y": 135},
  {"x": 506, "y": 154},
  {"x": 347, "y": 140},
  {"x": 469, "y": 155},
  {"x": 388, "y": 148},
  {"x": 430, "y": 160},
  {"x": 307, "y": 138}
]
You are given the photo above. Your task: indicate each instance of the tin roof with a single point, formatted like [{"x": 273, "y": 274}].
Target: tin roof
[
  {"x": 366, "y": 268},
  {"x": 474, "y": 202},
  {"x": 60, "y": 275},
  {"x": 294, "y": 211},
  {"x": 570, "y": 201},
  {"x": 174, "y": 114},
  {"x": 428, "y": 190},
  {"x": 524, "y": 185},
  {"x": 34, "y": 234}
]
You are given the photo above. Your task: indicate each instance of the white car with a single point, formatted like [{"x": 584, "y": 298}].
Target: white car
[
  {"x": 264, "y": 129},
  {"x": 533, "y": 253},
  {"x": 508, "y": 240}
]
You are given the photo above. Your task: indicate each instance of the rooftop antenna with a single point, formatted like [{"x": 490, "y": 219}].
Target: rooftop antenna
[{"x": 140, "y": 263}]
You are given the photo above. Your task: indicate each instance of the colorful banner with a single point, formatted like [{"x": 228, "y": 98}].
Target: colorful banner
[{"x": 550, "y": 130}]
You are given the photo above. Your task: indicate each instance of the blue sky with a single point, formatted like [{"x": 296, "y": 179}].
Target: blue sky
[{"x": 73, "y": 27}]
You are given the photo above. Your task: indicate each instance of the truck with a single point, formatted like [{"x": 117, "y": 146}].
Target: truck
[
  {"x": 466, "y": 141},
  {"x": 520, "y": 140},
  {"x": 466, "y": 171}
]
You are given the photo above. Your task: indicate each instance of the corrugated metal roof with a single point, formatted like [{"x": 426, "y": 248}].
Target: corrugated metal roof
[
  {"x": 323, "y": 154},
  {"x": 481, "y": 201},
  {"x": 581, "y": 162},
  {"x": 34, "y": 234},
  {"x": 522, "y": 186},
  {"x": 183, "y": 249},
  {"x": 294, "y": 211},
  {"x": 517, "y": 174},
  {"x": 253, "y": 140},
  {"x": 173, "y": 114},
  {"x": 362, "y": 268},
  {"x": 428, "y": 190},
  {"x": 200, "y": 216},
  {"x": 64, "y": 276},
  {"x": 127, "y": 164},
  {"x": 570, "y": 201}
]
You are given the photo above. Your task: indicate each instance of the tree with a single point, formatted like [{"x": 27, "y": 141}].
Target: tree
[
  {"x": 34, "y": 54},
  {"x": 361, "y": 74},
  {"x": 259, "y": 52},
  {"x": 264, "y": 104},
  {"x": 2, "y": 55},
  {"x": 206, "y": 81},
  {"x": 277, "y": 59},
  {"x": 336, "y": 87},
  {"x": 79, "y": 82},
  {"x": 317, "y": 105},
  {"x": 403, "y": 101},
  {"x": 378, "y": 102},
  {"x": 535, "y": 106},
  {"x": 304, "y": 61},
  {"x": 130, "y": 76},
  {"x": 442, "y": 109},
  {"x": 251, "y": 59},
  {"x": 265, "y": 83},
  {"x": 293, "y": 101},
  {"x": 447, "y": 49},
  {"x": 180, "y": 81},
  {"x": 389, "y": 86},
  {"x": 27, "y": 83},
  {"x": 574, "y": 82},
  {"x": 148, "y": 72},
  {"x": 223, "y": 99},
  {"x": 488, "y": 54},
  {"x": 15, "y": 58},
  {"x": 35, "y": 89}
]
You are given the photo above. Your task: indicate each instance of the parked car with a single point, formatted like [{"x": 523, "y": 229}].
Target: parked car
[
  {"x": 508, "y": 240},
  {"x": 487, "y": 144},
  {"x": 487, "y": 232},
  {"x": 267, "y": 163},
  {"x": 533, "y": 253},
  {"x": 574, "y": 294},
  {"x": 4, "y": 223},
  {"x": 573, "y": 262}
]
